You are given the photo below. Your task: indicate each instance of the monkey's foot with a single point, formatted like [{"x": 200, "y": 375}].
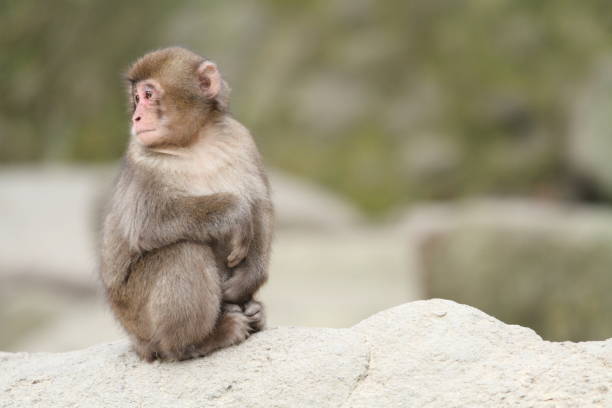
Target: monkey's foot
[
  {"x": 233, "y": 328},
  {"x": 231, "y": 308},
  {"x": 146, "y": 351},
  {"x": 254, "y": 310}
]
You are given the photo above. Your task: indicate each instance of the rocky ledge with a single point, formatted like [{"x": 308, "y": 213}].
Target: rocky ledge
[{"x": 433, "y": 353}]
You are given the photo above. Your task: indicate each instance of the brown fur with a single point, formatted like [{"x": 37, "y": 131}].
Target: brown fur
[
  {"x": 174, "y": 69},
  {"x": 180, "y": 214}
]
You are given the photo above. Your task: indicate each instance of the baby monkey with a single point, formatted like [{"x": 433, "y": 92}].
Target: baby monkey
[{"x": 186, "y": 241}]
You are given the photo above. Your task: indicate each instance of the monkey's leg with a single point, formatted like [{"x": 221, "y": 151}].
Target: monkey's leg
[{"x": 185, "y": 302}]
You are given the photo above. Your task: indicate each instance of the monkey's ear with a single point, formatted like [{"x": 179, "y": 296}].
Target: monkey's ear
[{"x": 210, "y": 79}]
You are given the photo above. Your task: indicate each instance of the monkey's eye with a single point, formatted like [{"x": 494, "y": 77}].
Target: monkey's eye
[
  {"x": 148, "y": 94},
  {"x": 136, "y": 98}
]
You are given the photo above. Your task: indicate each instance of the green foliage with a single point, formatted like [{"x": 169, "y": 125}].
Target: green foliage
[
  {"x": 61, "y": 69},
  {"x": 387, "y": 102}
]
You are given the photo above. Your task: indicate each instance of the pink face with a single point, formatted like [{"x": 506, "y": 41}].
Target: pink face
[{"x": 147, "y": 123}]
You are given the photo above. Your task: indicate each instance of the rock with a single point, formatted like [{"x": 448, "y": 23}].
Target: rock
[
  {"x": 47, "y": 225},
  {"x": 307, "y": 206},
  {"x": 436, "y": 353},
  {"x": 538, "y": 265},
  {"x": 590, "y": 139},
  {"x": 336, "y": 279}
]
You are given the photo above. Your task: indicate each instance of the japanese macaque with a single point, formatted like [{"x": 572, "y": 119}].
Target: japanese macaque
[{"x": 186, "y": 240}]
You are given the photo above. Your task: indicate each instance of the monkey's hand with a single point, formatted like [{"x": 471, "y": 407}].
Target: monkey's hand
[{"x": 239, "y": 243}]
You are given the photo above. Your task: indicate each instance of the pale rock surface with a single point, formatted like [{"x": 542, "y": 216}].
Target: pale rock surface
[{"x": 434, "y": 353}]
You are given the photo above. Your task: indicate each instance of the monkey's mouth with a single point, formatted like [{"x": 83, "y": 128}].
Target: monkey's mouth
[{"x": 140, "y": 132}]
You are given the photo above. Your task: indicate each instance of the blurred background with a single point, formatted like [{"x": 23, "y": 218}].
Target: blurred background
[{"x": 417, "y": 149}]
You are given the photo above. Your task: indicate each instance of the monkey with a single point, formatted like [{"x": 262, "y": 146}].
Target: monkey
[{"x": 187, "y": 236}]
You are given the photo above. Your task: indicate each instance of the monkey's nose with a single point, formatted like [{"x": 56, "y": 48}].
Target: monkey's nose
[{"x": 137, "y": 119}]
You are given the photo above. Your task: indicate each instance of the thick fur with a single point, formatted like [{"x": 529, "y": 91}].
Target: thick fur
[{"x": 180, "y": 213}]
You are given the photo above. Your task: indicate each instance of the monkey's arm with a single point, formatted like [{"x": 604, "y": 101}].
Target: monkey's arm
[
  {"x": 248, "y": 276},
  {"x": 223, "y": 216},
  {"x": 204, "y": 219},
  {"x": 240, "y": 237}
]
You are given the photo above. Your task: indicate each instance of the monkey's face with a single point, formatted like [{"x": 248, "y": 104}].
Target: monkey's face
[
  {"x": 147, "y": 120},
  {"x": 174, "y": 93}
]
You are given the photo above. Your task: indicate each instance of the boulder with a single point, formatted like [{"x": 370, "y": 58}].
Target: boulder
[
  {"x": 436, "y": 353},
  {"x": 590, "y": 135},
  {"x": 544, "y": 266}
]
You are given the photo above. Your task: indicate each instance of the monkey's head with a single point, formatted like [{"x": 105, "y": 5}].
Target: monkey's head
[{"x": 173, "y": 92}]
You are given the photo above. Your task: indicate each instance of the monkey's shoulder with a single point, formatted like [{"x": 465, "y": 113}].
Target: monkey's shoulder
[
  {"x": 237, "y": 178},
  {"x": 224, "y": 167}
]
